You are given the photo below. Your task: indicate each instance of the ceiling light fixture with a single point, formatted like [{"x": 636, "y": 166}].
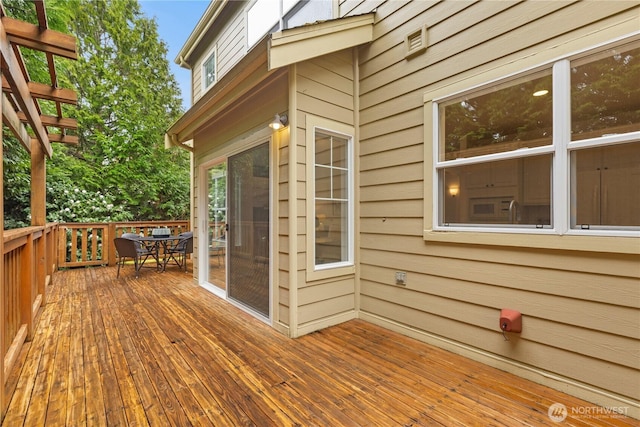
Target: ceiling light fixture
[{"x": 542, "y": 92}]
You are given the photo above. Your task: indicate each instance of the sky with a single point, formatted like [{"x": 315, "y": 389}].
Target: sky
[{"x": 176, "y": 20}]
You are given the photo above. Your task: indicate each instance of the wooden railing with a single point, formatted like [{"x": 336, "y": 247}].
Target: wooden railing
[
  {"x": 90, "y": 244},
  {"x": 29, "y": 264},
  {"x": 31, "y": 257}
]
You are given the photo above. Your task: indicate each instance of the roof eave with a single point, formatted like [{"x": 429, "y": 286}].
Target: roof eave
[
  {"x": 206, "y": 21},
  {"x": 310, "y": 41}
]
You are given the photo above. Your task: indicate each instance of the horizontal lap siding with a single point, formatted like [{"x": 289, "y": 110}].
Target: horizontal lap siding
[
  {"x": 324, "y": 89},
  {"x": 230, "y": 48},
  {"x": 580, "y": 310},
  {"x": 282, "y": 284}
]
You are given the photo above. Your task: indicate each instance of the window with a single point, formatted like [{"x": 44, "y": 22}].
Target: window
[
  {"x": 267, "y": 16},
  {"x": 262, "y": 17},
  {"x": 307, "y": 11},
  {"x": 330, "y": 197},
  {"x": 557, "y": 148},
  {"x": 605, "y": 164},
  {"x": 209, "y": 71}
]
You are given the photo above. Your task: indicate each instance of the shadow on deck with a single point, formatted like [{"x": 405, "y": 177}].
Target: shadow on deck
[{"x": 160, "y": 350}]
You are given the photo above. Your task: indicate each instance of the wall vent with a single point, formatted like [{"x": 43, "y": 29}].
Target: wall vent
[{"x": 416, "y": 42}]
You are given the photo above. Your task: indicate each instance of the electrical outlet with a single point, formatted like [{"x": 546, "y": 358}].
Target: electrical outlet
[{"x": 401, "y": 278}]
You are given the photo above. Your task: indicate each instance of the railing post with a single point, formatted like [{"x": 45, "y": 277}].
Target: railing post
[
  {"x": 51, "y": 260},
  {"x": 108, "y": 243},
  {"x": 62, "y": 245},
  {"x": 40, "y": 258}
]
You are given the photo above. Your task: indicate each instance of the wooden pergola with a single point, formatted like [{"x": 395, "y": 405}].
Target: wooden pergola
[{"x": 23, "y": 113}]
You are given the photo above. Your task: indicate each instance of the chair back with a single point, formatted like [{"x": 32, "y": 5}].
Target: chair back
[
  {"x": 186, "y": 242},
  {"x": 125, "y": 247}
]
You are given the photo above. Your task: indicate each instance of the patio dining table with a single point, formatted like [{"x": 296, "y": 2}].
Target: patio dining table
[{"x": 155, "y": 244}]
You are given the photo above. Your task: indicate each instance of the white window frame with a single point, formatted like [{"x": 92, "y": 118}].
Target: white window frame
[
  {"x": 322, "y": 271},
  {"x": 213, "y": 54},
  {"x": 562, "y": 146}
]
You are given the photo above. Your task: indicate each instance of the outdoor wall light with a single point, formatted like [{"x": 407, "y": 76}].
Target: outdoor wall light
[{"x": 279, "y": 121}]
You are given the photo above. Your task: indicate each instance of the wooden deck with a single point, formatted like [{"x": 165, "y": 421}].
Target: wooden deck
[{"x": 162, "y": 351}]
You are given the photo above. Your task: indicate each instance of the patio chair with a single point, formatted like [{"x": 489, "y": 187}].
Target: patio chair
[
  {"x": 143, "y": 247},
  {"x": 129, "y": 248},
  {"x": 178, "y": 252}
]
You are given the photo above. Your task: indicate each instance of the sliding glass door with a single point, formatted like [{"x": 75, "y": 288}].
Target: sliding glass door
[{"x": 247, "y": 226}]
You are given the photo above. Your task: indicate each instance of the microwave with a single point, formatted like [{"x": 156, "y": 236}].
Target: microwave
[{"x": 490, "y": 209}]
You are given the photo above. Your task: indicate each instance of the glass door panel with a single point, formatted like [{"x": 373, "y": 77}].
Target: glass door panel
[
  {"x": 217, "y": 225},
  {"x": 248, "y": 229}
]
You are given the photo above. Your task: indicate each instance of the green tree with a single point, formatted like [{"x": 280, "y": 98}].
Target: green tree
[{"x": 127, "y": 98}]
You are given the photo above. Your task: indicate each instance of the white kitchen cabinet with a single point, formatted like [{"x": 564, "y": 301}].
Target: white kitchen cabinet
[{"x": 607, "y": 186}]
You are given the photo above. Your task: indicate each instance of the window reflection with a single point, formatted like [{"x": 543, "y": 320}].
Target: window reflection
[
  {"x": 605, "y": 94},
  {"x": 503, "y": 118}
]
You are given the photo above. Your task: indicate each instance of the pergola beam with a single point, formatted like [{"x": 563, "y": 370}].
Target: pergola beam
[
  {"x": 64, "y": 139},
  {"x": 14, "y": 123},
  {"x": 20, "y": 87},
  {"x": 44, "y": 91},
  {"x": 58, "y": 122},
  {"x": 44, "y": 40}
]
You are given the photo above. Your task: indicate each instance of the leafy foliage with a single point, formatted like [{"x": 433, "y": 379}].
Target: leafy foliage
[{"x": 127, "y": 98}]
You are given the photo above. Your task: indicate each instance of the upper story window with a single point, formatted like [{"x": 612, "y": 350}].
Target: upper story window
[
  {"x": 267, "y": 16},
  {"x": 209, "y": 71},
  {"x": 556, "y": 149}
]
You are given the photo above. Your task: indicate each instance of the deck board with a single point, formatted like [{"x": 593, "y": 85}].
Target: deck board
[{"x": 161, "y": 351}]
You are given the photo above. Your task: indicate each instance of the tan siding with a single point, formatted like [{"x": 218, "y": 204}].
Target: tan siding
[
  {"x": 325, "y": 89},
  {"x": 581, "y": 309},
  {"x": 399, "y": 156},
  {"x": 312, "y": 293},
  {"x": 394, "y": 208},
  {"x": 230, "y": 46},
  {"x": 326, "y": 309},
  {"x": 196, "y": 81},
  {"x": 377, "y": 235},
  {"x": 401, "y": 138},
  {"x": 396, "y": 191},
  {"x": 513, "y": 40},
  {"x": 356, "y": 7},
  {"x": 392, "y": 174}
]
